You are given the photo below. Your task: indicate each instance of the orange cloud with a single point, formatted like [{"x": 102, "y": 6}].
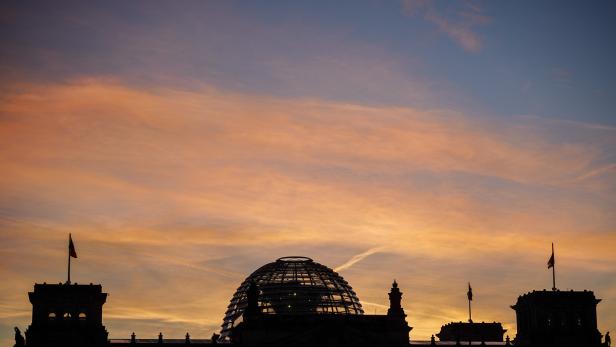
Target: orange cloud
[{"x": 173, "y": 197}]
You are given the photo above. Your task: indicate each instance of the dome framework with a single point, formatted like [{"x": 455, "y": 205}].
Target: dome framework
[{"x": 294, "y": 285}]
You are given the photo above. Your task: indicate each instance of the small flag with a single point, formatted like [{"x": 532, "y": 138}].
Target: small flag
[
  {"x": 470, "y": 292},
  {"x": 71, "y": 247},
  {"x": 551, "y": 260}
]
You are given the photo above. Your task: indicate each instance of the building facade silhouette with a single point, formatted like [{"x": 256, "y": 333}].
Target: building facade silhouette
[
  {"x": 295, "y": 301},
  {"x": 557, "y": 318},
  {"x": 472, "y": 331},
  {"x": 67, "y": 315}
]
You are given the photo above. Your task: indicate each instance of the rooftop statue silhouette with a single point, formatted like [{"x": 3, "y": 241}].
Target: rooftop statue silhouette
[
  {"x": 214, "y": 338},
  {"x": 19, "y": 339}
]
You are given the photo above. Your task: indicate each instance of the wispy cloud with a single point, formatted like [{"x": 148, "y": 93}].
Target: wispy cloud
[
  {"x": 357, "y": 258},
  {"x": 561, "y": 76},
  {"x": 168, "y": 192},
  {"x": 597, "y": 172},
  {"x": 373, "y": 307},
  {"x": 461, "y": 34},
  {"x": 458, "y": 24}
]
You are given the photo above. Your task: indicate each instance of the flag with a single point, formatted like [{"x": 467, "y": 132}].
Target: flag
[
  {"x": 470, "y": 292},
  {"x": 551, "y": 260},
  {"x": 71, "y": 247}
]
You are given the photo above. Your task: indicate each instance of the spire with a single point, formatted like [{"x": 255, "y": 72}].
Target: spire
[{"x": 395, "y": 299}]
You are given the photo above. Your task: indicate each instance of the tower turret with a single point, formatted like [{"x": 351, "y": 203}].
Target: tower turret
[
  {"x": 67, "y": 315},
  {"x": 395, "y": 301},
  {"x": 561, "y": 318}
]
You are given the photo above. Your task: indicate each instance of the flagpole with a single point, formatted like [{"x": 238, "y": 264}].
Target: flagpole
[
  {"x": 553, "y": 269},
  {"x": 69, "y": 262},
  {"x": 470, "y": 317},
  {"x": 469, "y": 296}
]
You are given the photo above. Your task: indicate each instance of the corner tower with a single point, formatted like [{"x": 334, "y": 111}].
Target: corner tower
[
  {"x": 557, "y": 318},
  {"x": 67, "y": 315}
]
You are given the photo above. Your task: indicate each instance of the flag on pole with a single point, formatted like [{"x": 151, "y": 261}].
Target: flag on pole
[
  {"x": 551, "y": 260},
  {"x": 470, "y": 292},
  {"x": 71, "y": 247}
]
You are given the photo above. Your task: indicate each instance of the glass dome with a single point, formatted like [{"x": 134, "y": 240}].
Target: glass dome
[{"x": 294, "y": 285}]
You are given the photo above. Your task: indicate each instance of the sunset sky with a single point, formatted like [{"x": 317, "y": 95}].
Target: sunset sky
[{"x": 185, "y": 144}]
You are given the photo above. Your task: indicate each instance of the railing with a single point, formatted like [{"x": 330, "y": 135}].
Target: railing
[
  {"x": 165, "y": 341},
  {"x": 453, "y": 343}
]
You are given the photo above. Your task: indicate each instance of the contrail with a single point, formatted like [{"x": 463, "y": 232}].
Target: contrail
[
  {"x": 367, "y": 303},
  {"x": 597, "y": 172},
  {"x": 357, "y": 258}
]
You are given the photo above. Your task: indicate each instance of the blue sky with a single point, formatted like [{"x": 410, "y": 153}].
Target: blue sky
[{"x": 548, "y": 59}]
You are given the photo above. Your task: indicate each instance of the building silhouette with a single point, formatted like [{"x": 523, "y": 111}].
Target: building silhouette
[
  {"x": 67, "y": 315},
  {"x": 472, "y": 331},
  {"x": 294, "y": 286},
  {"x": 557, "y": 318},
  {"x": 295, "y": 301}
]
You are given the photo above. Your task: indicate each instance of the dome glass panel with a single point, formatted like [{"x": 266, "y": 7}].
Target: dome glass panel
[{"x": 294, "y": 285}]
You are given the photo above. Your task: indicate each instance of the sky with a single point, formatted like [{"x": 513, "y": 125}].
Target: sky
[{"x": 185, "y": 144}]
